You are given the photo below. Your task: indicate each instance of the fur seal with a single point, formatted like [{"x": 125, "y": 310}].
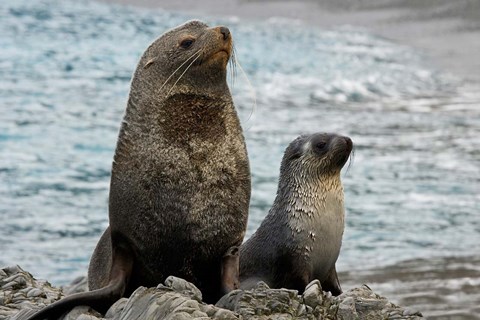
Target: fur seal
[
  {"x": 180, "y": 184},
  {"x": 300, "y": 238}
]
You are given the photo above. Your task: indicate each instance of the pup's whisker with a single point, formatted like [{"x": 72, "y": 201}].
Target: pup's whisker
[{"x": 350, "y": 160}]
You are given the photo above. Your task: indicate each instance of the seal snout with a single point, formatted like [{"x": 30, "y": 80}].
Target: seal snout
[
  {"x": 219, "y": 45},
  {"x": 225, "y": 32},
  {"x": 344, "y": 146},
  {"x": 349, "y": 144}
]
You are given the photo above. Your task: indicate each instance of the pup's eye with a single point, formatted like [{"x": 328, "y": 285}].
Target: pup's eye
[
  {"x": 187, "y": 43},
  {"x": 320, "y": 145}
]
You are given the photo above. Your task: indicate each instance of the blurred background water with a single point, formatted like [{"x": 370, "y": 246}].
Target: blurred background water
[{"x": 65, "y": 66}]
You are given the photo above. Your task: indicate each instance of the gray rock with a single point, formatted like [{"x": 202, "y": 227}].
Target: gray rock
[
  {"x": 184, "y": 287},
  {"x": 21, "y": 295},
  {"x": 163, "y": 303},
  {"x": 116, "y": 308},
  {"x": 411, "y": 312},
  {"x": 82, "y": 313},
  {"x": 20, "y": 291},
  {"x": 313, "y": 294},
  {"x": 262, "y": 303},
  {"x": 346, "y": 309},
  {"x": 368, "y": 305}
]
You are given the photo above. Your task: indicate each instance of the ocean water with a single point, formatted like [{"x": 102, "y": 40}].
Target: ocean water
[{"x": 412, "y": 190}]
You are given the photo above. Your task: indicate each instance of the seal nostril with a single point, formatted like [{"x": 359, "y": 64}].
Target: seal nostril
[{"x": 225, "y": 32}]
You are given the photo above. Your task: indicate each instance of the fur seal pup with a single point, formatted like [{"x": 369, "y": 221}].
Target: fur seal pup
[
  {"x": 180, "y": 184},
  {"x": 300, "y": 238}
]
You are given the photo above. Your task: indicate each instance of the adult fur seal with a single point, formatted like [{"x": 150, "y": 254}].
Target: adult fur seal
[
  {"x": 300, "y": 238},
  {"x": 180, "y": 185}
]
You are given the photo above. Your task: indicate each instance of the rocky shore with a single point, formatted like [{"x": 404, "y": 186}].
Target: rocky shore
[{"x": 21, "y": 295}]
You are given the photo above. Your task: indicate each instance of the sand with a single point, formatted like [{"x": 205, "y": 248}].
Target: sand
[{"x": 447, "y": 32}]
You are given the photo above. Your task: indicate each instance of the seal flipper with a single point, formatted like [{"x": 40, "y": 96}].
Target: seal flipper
[
  {"x": 230, "y": 270},
  {"x": 331, "y": 283},
  {"x": 100, "y": 299}
]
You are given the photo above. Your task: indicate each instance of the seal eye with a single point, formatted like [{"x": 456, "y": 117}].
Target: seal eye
[
  {"x": 320, "y": 145},
  {"x": 187, "y": 43}
]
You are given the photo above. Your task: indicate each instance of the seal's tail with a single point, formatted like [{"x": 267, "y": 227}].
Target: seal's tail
[{"x": 100, "y": 299}]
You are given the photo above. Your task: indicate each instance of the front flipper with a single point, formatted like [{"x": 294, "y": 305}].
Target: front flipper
[
  {"x": 230, "y": 270},
  {"x": 100, "y": 299},
  {"x": 331, "y": 283}
]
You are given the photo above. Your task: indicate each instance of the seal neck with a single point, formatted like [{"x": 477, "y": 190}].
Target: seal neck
[
  {"x": 160, "y": 86},
  {"x": 306, "y": 196},
  {"x": 178, "y": 121}
]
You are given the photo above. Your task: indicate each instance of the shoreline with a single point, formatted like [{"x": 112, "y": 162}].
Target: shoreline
[
  {"x": 446, "y": 33},
  {"x": 177, "y": 298},
  {"x": 439, "y": 287}
]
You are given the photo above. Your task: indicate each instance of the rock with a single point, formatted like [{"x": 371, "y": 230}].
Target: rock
[
  {"x": 363, "y": 303},
  {"x": 21, "y": 295},
  {"x": 411, "y": 312},
  {"x": 346, "y": 309},
  {"x": 184, "y": 287},
  {"x": 82, "y": 313},
  {"x": 116, "y": 308},
  {"x": 313, "y": 294},
  {"x": 20, "y": 291},
  {"x": 264, "y": 303}
]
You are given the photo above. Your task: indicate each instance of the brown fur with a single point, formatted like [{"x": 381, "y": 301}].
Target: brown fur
[{"x": 180, "y": 185}]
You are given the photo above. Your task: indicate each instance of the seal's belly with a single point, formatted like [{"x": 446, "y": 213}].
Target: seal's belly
[
  {"x": 188, "y": 227},
  {"x": 322, "y": 236}
]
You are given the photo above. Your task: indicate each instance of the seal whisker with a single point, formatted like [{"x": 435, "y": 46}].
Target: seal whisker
[
  {"x": 185, "y": 62},
  {"x": 233, "y": 71},
  {"x": 252, "y": 90},
  {"x": 350, "y": 160},
  {"x": 180, "y": 77}
]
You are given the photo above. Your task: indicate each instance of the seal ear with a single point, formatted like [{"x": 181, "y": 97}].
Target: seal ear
[{"x": 149, "y": 63}]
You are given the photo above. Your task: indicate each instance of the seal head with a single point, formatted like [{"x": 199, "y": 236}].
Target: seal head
[{"x": 190, "y": 58}]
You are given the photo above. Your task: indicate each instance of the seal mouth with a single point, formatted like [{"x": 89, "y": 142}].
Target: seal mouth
[
  {"x": 343, "y": 159},
  {"x": 219, "y": 48},
  {"x": 224, "y": 52}
]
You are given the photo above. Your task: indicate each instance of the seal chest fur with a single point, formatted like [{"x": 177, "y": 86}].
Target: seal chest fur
[
  {"x": 180, "y": 185},
  {"x": 300, "y": 238}
]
